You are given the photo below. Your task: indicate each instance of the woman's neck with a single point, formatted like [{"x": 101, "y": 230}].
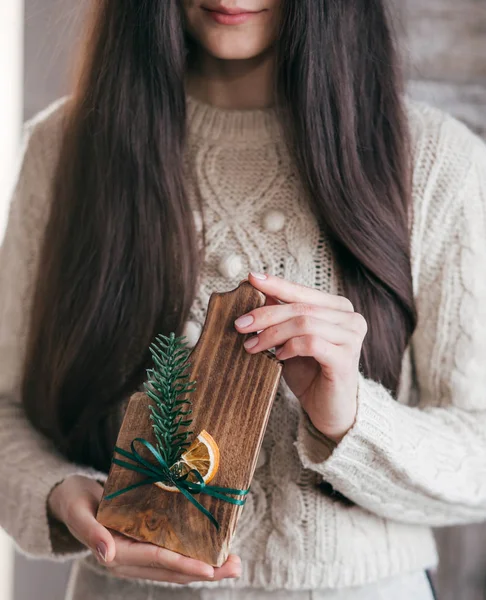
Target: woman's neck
[{"x": 237, "y": 84}]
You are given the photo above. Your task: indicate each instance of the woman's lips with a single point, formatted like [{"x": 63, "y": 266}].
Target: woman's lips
[{"x": 226, "y": 18}]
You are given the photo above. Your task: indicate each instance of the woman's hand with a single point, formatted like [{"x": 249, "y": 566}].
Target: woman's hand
[
  {"x": 319, "y": 336},
  {"x": 75, "y": 502}
]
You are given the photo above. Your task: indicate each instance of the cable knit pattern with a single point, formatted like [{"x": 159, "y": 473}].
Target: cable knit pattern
[{"x": 405, "y": 466}]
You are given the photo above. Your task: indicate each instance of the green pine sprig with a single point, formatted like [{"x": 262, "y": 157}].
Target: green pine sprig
[{"x": 168, "y": 386}]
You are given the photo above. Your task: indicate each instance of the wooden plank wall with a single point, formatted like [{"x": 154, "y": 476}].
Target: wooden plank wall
[{"x": 446, "y": 45}]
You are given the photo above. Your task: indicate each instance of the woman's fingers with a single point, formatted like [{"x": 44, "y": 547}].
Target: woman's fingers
[
  {"x": 75, "y": 502},
  {"x": 231, "y": 569},
  {"x": 290, "y": 292},
  {"x": 274, "y": 314},
  {"x": 131, "y": 553},
  {"x": 333, "y": 357},
  {"x": 147, "y": 561},
  {"x": 277, "y": 335},
  {"x": 88, "y": 530},
  {"x": 148, "y": 573}
]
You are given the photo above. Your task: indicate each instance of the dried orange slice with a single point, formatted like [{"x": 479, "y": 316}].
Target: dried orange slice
[{"x": 202, "y": 455}]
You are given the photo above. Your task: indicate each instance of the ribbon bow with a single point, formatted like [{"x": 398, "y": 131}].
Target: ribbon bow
[{"x": 162, "y": 473}]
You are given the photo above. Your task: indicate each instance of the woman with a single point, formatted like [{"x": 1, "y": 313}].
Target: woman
[{"x": 271, "y": 137}]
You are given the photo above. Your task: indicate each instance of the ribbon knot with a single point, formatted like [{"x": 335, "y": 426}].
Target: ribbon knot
[{"x": 162, "y": 473}]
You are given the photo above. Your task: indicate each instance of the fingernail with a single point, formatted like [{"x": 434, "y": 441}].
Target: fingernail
[
  {"x": 210, "y": 574},
  {"x": 251, "y": 343},
  {"x": 102, "y": 549},
  {"x": 244, "y": 321},
  {"x": 259, "y": 275}
]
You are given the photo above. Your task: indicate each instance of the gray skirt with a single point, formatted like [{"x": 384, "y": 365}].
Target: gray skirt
[{"x": 87, "y": 583}]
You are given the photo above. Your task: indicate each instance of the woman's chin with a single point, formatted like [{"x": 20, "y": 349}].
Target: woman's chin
[{"x": 234, "y": 47}]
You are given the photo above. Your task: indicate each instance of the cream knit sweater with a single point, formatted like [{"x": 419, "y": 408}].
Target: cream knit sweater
[{"x": 406, "y": 465}]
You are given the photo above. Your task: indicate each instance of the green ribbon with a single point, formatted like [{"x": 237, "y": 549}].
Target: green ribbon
[{"x": 162, "y": 473}]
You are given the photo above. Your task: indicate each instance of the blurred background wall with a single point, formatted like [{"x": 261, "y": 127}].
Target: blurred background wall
[
  {"x": 445, "y": 45},
  {"x": 11, "y": 53},
  {"x": 446, "y": 41}
]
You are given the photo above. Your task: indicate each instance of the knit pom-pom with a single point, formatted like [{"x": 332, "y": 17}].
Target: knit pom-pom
[
  {"x": 192, "y": 331},
  {"x": 198, "y": 221},
  {"x": 274, "y": 220},
  {"x": 231, "y": 266}
]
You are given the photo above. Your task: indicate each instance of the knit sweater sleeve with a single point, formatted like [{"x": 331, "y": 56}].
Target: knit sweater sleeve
[
  {"x": 30, "y": 465},
  {"x": 425, "y": 462}
]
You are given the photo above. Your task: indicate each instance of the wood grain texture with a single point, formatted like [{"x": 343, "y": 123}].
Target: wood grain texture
[{"x": 233, "y": 399}]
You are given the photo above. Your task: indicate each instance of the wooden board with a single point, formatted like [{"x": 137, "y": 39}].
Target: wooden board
[{"x": 233, "y": 399}]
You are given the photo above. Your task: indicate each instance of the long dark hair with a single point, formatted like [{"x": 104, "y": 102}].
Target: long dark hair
[{"x": 120, "y": 263}]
